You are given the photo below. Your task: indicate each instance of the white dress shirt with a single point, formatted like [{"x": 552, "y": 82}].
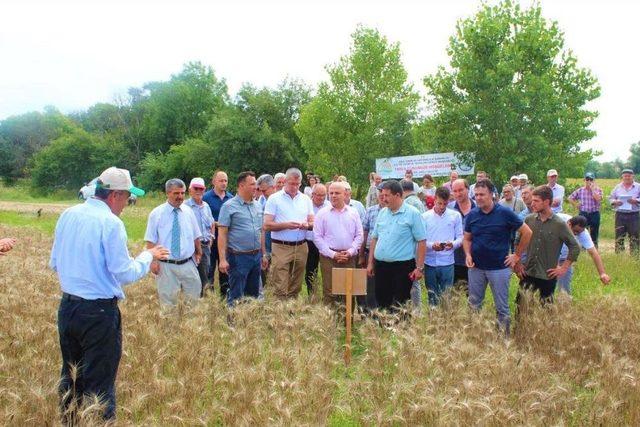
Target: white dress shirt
[
  {"x": 285, "y": 208},
  {"x": 160, "y": 224},
  {"x": 442, "y": 228}
]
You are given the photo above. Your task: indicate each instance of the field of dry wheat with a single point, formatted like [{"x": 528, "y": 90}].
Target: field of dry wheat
[{"x": 576, "y": 363}]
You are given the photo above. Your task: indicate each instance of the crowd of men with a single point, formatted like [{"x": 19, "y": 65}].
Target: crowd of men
[{"x": 270, "y": 237}]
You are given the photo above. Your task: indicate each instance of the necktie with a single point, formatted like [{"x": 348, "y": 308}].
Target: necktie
[{"x": 175, "y": 235}]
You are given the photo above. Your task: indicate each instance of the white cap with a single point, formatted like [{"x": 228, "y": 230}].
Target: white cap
[
  {"x": 552, "y": 172},
  {"x": 346, "y": 186},
  {"x": 514, "y": 177},
  {"x": 197, "y": 183},
  {"x": 523, "y": 176},
  {"x": 118, "y": 179}
]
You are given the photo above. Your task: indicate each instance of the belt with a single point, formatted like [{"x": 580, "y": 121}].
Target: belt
[
  {"x": 234, "y": 252},
  {"x": 69, "y": 297},
  {"x": 174, "y": 261},
  {"x": 339, "y": 250},
  {"x": 284, "y": 242},
  {"x": 628, "y": 212}
]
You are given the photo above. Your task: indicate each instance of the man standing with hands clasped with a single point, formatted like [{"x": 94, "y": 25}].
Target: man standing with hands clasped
[
  {"x": 337, "y": 233},
  {"x": 487, "y": 237},
  {"x": 174, "y": 225},
  {"x": 92, "y": 261}
]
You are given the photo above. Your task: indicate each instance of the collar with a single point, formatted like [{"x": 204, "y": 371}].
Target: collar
[
  {"x": 97, "y": 203},
  {"x": 401, "y": 210},
  {"x": 243, "y": 201}
]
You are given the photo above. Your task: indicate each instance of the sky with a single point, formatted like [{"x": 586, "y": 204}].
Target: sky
[{"x": 73, "y": 54}]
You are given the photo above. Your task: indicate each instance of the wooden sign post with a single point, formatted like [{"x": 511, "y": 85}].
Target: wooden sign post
[{"x": 348, "y": 282}]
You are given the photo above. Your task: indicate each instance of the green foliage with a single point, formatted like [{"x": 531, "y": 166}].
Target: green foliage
[
  {"x": 24, "y": 135},
  {"x": 363, "y": 112},
  {"x": 74, "y": 159},
  {"x": 172, "y": 111},
  {"x": 634, "y": 158},
  {"x": 512, "y": 95}
]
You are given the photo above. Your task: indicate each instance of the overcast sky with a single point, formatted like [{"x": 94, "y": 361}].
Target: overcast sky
[{"x": 74, "y": 54}]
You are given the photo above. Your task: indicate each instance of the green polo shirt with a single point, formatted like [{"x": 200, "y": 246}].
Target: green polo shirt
[
  {"x": 397, "y": 234},
  {"x": 546, "y": 244}
]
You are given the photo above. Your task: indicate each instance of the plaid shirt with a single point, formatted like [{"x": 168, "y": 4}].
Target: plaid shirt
[
  {"x": 369, "y": 222},
  {"x": 585, "y": 197}
]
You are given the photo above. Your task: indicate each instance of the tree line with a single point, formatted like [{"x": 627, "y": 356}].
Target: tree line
[{"x": 511, "y": 94}]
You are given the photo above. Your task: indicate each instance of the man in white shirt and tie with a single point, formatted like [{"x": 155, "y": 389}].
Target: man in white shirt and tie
[{"x": 174, "y": 225}]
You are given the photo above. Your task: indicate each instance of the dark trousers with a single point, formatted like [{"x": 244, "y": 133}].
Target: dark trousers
[
  {"x": 368, "y": 302},
  {"x": 461, "y": 278},
  {"x": 223, "y": 279},
  {"x": 593, "y": 222},
  {"x": 244, "y": 276},
  {"x": 91, "y": 340},
  {"x": 203, "y": 267},
  {"x": 546, "y": 288},
  {"x": 311, "y": 269},
  {"x": 393, "y": 285},
  {"x": 627, "y": 223}
]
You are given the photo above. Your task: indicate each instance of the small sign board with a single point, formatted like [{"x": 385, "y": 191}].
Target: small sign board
[{"x": 340, "y": 276}]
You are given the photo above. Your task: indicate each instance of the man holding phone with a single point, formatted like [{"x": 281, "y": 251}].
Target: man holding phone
[{"x": 444, "y": 236}]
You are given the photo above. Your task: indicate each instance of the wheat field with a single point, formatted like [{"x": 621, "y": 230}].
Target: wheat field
[{"x": 576, "y": 363}]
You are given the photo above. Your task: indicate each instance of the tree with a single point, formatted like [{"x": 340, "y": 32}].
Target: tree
[
  {"x": 634, "y": 158},
  {"x": 363, "y": 112},
  {"x": 24, "y": 135},
  {"x": 74, "y": 159},
  {"x": 512, "y": 95}
]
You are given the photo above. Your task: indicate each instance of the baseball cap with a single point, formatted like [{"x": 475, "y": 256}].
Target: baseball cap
[
  {"x": 197, "y": 183},
  {"x": 552, "y": 172},
  {"x": 627, "y": 170},
  {"x": 514, "y": 177},
  {"x": 114, "y": 178},
  {"x": 523, "y": 176},
  {"x": 589, "y": 175}
]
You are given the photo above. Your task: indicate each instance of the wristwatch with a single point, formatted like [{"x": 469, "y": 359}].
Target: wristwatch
[{"x": 420, "y": 269}]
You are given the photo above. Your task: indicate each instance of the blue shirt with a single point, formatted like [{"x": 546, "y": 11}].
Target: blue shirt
[
  {"x": 215, "y": 202},
  {"x": 90, "y": 252},
  {"x": 160, "y": 224},
  {"x": 267, "y": 234},
  {"x": 458, "y": 255},
  {"x": 369, "y": 222},
  {"x": 357, "y": 205},
  {"x": 244, "y": 222},
  {"x": 204, "y": 216},
  {"x": 491, "y": 235},
  {"x": 397, "y": 234}
]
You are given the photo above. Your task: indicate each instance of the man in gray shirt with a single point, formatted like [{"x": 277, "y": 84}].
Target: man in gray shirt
[{"x": 240, "y": 242}]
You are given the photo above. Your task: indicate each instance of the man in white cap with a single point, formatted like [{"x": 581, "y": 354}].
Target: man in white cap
[
  {"x": 206, "y": 222},
  {"x": 174, "y": 225},
  {"x": 92, "y": 261},
  {"x": 515, "y": 183},
  {"x": 523, "y": 178},
  {"x": 557, "y": 189}
]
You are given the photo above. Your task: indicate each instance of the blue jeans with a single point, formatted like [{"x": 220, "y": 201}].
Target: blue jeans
[
  {"x": 91, "y": 339},
  {"x": 437, "y": 281},
  {"x": 499, "y": 282},
  {"x": 244, "y": 276}
]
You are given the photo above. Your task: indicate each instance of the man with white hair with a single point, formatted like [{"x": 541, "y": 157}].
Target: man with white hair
[
  {"x": 280, "y": 179},
  {"x": 173, "y": 225},
  {"x": 319, "y": 201},
  {"x": 206, "y": 222},
  {"x": 337, "y": 233},
  {"x": 288, "y": 214},
  {"x": 557, "y": 189}
]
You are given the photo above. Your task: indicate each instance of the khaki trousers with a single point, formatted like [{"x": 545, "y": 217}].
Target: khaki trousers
[
  {"x": 287, "y": 269},
  {"x": 326, "y": 265}
]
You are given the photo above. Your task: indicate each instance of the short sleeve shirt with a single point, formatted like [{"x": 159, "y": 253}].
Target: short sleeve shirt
[
  {"x": 244, "y": 220},
  {"x": 285, "y": 208},
  {"x": 397, "y": 233},
  {"x": 491, "y": 235}
]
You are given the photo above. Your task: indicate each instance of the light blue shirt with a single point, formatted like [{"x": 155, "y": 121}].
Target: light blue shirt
[
  {"x": 522, "y": 215},
  {"x": 204, "y": 216},
  {"x": 90, "y": 252},
  {"x": 244, "y": 224},
  {"x": 442, "y": 228},
  {"x": 397, "y": 234},
  {"x": 358, "y": 206},
  {"x": 159, "y": 227}
]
